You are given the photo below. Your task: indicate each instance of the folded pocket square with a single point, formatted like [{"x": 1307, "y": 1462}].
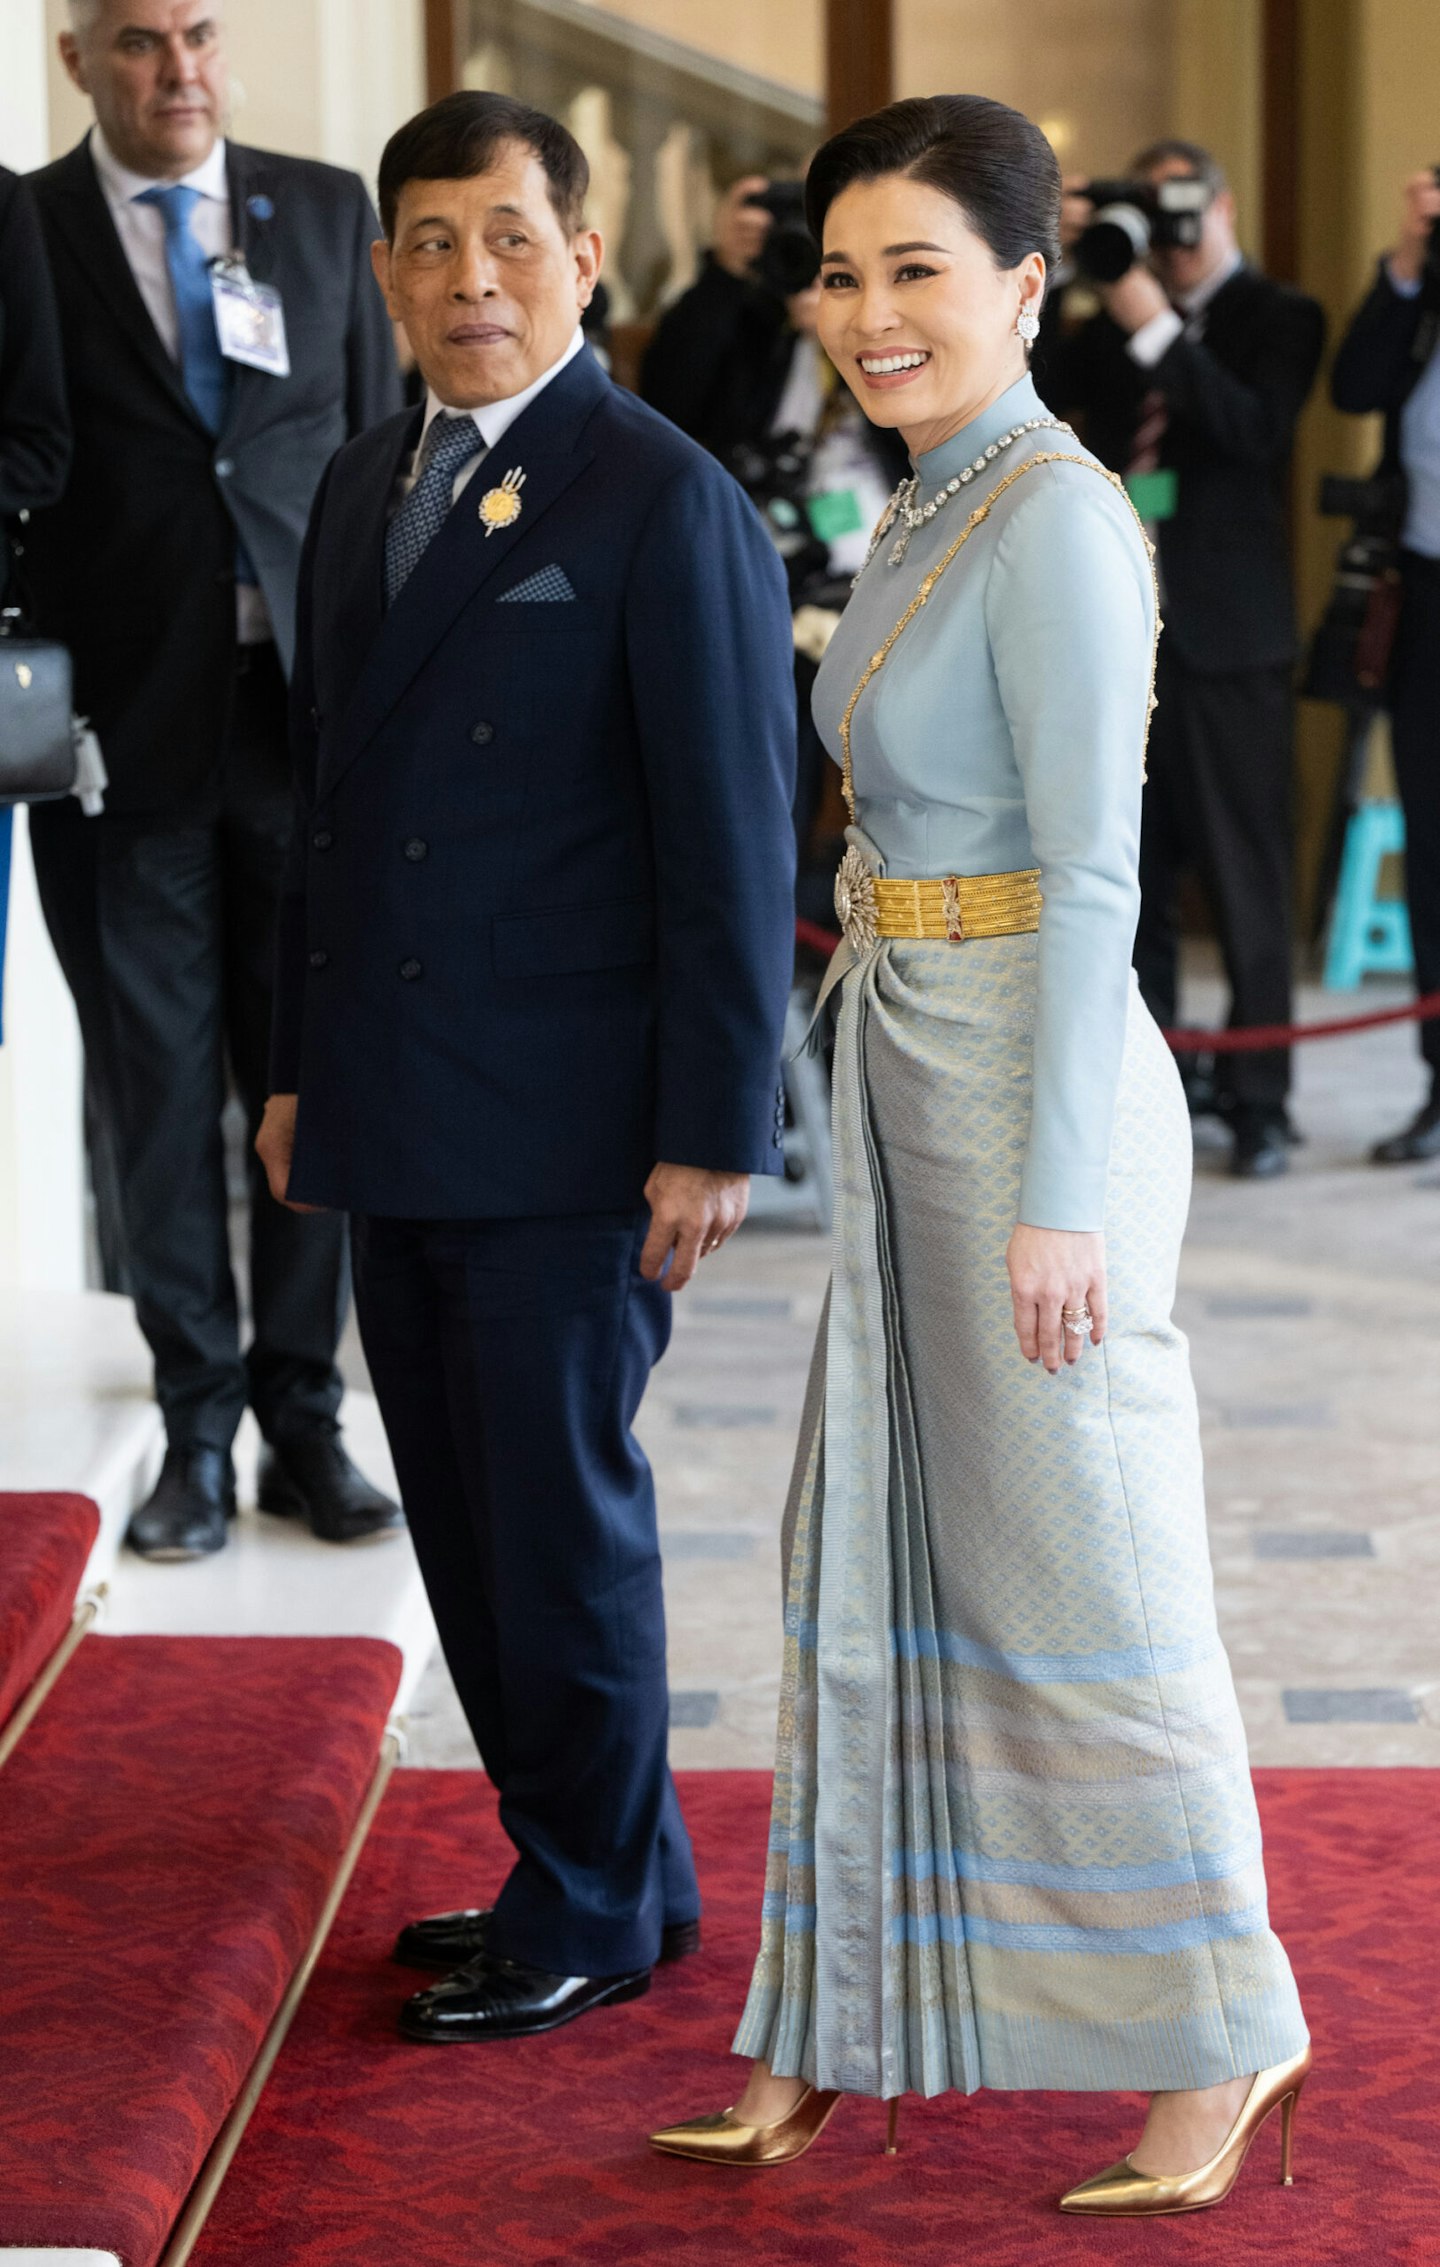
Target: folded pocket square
[{"x": 551, "y": 583}]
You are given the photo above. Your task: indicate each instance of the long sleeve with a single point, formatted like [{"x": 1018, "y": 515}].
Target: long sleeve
[
  {"x": 1069, "y": 614},
  {"x": 1249, "y": 419},
  {"x": 34, "y": 421},
  {"x": 707, "y": 628},
  {"x": 1375, "y": 363},
  {"x": 288, "y": 1006}
]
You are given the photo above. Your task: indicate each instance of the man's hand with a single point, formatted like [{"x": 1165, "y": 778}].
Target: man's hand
[
  {"x": 1135, "y": 300},
  {"x": 1422, "y": 210},
  {"x": 740, "y": 229},
  {"x": 692, "y": 1213},
  {"x": 275, "y": 1146}
]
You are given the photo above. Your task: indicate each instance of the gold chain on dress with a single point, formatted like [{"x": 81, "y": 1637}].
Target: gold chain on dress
[{"x": 982, "y": 512}]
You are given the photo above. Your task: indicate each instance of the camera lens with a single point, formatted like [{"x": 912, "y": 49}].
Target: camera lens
[{"x": 1117, "y": 237}]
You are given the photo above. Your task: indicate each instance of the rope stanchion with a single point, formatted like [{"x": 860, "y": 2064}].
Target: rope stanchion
[{"x": 1246, "y": 1039}]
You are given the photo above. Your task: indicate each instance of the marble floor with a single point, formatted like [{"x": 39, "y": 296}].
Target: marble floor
[{"x": 1313, "y": 1310}]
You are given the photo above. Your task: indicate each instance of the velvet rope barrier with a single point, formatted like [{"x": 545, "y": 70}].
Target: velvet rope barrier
[{"x": 1249, "y": 1039}]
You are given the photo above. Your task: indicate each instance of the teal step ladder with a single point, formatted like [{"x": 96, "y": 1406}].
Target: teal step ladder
[{"x": 1369, "y": 934}]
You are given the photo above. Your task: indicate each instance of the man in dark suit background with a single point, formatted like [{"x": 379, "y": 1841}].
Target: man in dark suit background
[
  {"x": 1389, "y": 360},
  {"x": 1199, "y": 366},
  {"x": 34, "y": 422},
  {"x": 169, "y": 569},
  {"x": 535, "y": 951}
]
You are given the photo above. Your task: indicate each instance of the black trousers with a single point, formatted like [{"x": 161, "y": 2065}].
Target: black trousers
[
  {"x": 164, "y": 925},
  {"x": 1218, "y": 804},
  {"x": 510, "y": 1357},
  {"x": 1415, "y": 737}
]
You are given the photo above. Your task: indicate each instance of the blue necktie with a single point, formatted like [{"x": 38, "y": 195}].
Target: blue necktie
[
  {"x": 202, "y": 365},
  {"x": 450, "y": 443}
]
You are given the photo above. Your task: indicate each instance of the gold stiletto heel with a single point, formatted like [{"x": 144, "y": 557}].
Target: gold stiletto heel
[
  {"x": 725, "y": 2139},
  {"x": 892, "y": 2129},
  {"x": 1122, "y": 2193}
]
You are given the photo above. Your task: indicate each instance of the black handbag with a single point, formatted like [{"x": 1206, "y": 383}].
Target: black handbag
[{"x": 38, "y": 759}]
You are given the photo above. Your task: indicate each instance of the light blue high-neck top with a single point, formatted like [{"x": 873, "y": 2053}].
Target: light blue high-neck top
[{"x": 1006, "y": 731}]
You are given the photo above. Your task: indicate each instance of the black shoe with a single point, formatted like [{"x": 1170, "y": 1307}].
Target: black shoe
[
  {"x": 505, "y": 1999},
  {"x": 309, "y": 1476},
  {"x": 185, "y": 1514},
  {"x": 1420, "y": 1139},
  {"x": 452, "y": 1940},
  {"x": 1262, "y": 1149}
]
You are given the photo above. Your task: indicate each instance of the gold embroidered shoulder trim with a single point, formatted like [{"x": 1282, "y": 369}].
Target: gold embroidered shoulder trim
[{"x": 981, "y": 513}]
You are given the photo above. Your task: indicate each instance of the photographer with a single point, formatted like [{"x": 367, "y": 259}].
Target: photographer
[
  {"x": 1389, "y": 360},
  {"x": 1189, "y": 381},
  {"x": 736, "y": 364}
]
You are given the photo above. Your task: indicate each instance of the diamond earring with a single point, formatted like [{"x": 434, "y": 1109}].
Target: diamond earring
[{"x": 1027, "y": 326}]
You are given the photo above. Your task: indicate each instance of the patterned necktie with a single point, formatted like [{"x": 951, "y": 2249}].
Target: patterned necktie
[
  {"x": 450, "y": 443},
  {"x": 202, "y": 365}
]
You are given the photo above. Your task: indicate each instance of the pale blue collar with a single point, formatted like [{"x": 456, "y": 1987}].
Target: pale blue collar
[{"x": 1013, "y": 407}]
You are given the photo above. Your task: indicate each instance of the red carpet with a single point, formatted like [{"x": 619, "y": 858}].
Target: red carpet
[
  {"x": 170, "y": 1826},
  {"x": 44, "y": 1543},
  {"x": 369, "y": 2152}
]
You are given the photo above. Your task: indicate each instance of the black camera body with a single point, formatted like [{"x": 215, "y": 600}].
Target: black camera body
[
  {"x": 789, "y": 257},
  {"x": 1132, "y": 218}
]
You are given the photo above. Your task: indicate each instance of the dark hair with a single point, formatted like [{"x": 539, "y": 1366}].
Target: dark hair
[
  {"x": 1202, "y": 164},
  {"x": 993, "y": 161},
  {"x": 462, "y": 135}
]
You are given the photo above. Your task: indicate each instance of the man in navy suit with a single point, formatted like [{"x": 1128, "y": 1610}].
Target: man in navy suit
[{"x": 534, "y": 956}]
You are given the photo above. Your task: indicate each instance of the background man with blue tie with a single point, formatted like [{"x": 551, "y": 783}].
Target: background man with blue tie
[
  {"x": 537, "y": 935},
  {"x": 169, "y": 569}
]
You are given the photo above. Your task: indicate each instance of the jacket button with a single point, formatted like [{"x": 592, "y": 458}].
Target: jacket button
[
  {"x": 319, "y": 960},
  {"x": 315, "y": 720},
  {"x": 417, "y": 850},
  {"x": 322, "y": 840},
  {"x": 482, "y": 734},
  {"x": 409, "y": 969},
  {"x": 224, "y": 466}
]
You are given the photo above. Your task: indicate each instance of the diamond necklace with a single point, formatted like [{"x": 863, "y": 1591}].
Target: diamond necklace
[{"x": 902, "y": 504}]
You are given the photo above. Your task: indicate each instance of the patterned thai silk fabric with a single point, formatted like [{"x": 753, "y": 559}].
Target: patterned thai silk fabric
[{"x": 1014, "y": 1839}]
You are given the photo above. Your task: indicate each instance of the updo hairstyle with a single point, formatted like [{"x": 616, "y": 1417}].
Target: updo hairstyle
[{"x": 993, "y": 161}]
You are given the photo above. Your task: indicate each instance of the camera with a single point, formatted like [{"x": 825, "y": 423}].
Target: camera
[
  {"x": 1132, "y": 217},
  {"x": 789, "y": 257},
  {"x": 1350, "y": 651}
]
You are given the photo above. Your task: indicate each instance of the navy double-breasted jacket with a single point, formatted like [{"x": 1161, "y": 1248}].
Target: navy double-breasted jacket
[{"x": 537, "y": 927}]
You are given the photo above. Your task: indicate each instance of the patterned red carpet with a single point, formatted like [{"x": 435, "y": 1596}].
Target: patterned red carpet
[{"x": 368, "y": 2152}]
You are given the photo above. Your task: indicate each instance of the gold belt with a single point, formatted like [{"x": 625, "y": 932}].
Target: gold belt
[{"x": 953, "y": 907}]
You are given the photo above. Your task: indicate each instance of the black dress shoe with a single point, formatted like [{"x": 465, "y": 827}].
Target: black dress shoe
[
  {"x": 451, "y": 1940},
  {"x": 505, "y": 1999},
  {"x": 185, "y": 1514},
  {"x": 309, "y": 1476},
  {"x": 1420, "y": 1139},
  {"x": 1262, "y": 1149}
]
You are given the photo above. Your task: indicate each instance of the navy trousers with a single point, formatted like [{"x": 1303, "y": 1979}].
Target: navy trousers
[{"x": 509, "y": 1358}]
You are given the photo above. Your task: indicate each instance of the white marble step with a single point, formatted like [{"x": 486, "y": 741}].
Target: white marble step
[
  {"x": 76, "y": 1410},
  {"x": 76, "y": 1413}
]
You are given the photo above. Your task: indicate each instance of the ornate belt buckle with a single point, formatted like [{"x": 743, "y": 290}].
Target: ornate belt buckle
[
  {"x": 856, "y": 907},
  {"x": 954, "y": 918}
]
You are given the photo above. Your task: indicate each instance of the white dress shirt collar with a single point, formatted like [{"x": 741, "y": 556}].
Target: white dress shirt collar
[
  {"x": 122, "y": 187},
  {"x": 494, "y": 421},
  {"x": 1193, "y": 302}
]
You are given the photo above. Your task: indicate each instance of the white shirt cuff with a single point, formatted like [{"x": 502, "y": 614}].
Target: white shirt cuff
[
  {"x": 1408, "y": 287},
  {"x": 1154, "y": 339}
]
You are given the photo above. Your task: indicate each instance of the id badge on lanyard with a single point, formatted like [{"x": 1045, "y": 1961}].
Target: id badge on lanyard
[{"x": 249, "y": 318}]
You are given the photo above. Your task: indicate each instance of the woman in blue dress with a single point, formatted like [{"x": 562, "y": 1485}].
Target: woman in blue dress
[{"x": 1014, "y": 1840}]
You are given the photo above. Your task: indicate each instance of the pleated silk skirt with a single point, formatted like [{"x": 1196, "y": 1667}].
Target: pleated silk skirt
[{"x": 1014, "y": 1840}]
